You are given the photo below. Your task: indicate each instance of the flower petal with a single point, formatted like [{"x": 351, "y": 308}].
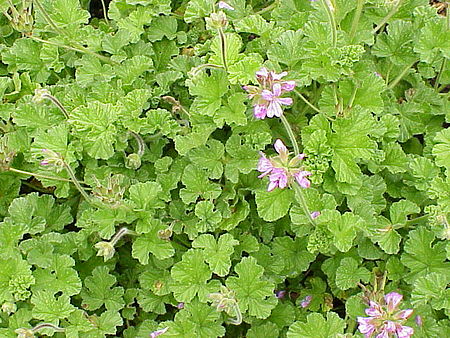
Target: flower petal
[
  {"x": 287, "y": 86},
  {"x": 276, "y": 89},
  {"x": 286, "y": 101},
  {"x": 280, "y": 147},
  {"x": 405, "y": 332},
  {"x": 260, "y": 111},
  {"x": 392, "y": 300}
]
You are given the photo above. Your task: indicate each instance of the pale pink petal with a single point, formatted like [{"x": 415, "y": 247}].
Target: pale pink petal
[
  {"x": 267, "y": 95},
  {"x": 392, "y": 300},
  {"x": 374, "y": 310},
  {"x": 365, "y": 326},
  {"x": 404, "y": 314},
  {"x": 383, "y": 334},
  {"x": 278, "y": 77},
  {"x": 264, "y": 165},
  {"x": 280, "y": 147},
  {"x": 158, "y": 332},
  {"x": 260, "y": 111},
  {"x": 274, "y": 109},
  {"x": 284, "y": 101},
  {"x": 262, "y": 73},
  {"x": 224, "y": 5},
  {"x": 272, "y": 185},
  {"x": 306, "y": 301},
  {"x": 390, "y": 326},
  {"x": 405, "y": 332},
  {"x": 276, "y": 89},
  {"x": 315, "y": 214},
  {"x": 287, "y": 86}
]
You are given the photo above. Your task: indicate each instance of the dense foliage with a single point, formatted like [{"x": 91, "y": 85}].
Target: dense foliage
[{"x": 130, "y": 201}]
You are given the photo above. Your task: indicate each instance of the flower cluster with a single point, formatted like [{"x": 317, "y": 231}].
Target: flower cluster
[
  {"x": 267, "y": 100},
  {"x": 282, "y": 170},
  {"x": 385, "y": 320}
]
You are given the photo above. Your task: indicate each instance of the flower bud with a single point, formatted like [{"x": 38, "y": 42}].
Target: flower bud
[
  {"x": 40, "y": 94},
  {"x": 24, "y": 333},
  {"x": 133, "y": 161},
  {"x": 9, "y": 308},
  {"x": 217, "y": 20},
  {"x": 105, "y": 249}
]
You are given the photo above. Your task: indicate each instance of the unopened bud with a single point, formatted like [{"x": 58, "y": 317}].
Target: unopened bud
[
  {"x": 217, "y": 20},
  {"x": 24, "y": 333},
  {"x": 9, "y": 308},
  {"x": 133, "y": 161},
  {"x": 105, "y": 249}
]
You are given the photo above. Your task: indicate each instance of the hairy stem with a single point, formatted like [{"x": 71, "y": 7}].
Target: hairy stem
[
  {"x": 290, "y": 132},
  {"x": 223, "y": 46},
  {"x": 77, "y": 183},
  {"x": 355, "y": 22},
  {"x": 140, "y": 142},
  {"x": 105, "y": 12},
  {"x": 268, "y": 8},
  {"x": 301, "y": 200},
  {"x": 58, "y": 104},
  {"x": 389, "y": 15},
  {"x": 400, "y": 76},
  {"x": 306, "y": 101},
  {"x": 330, "y": 13},
  {"x": 23, "y": 172}
]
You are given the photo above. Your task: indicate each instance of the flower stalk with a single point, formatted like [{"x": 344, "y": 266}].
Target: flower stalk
[
  {"x": 40, "y": 94},
  {"x": 355, "y": 22},
  {"x": 106, "y": 249},
  {"x": 329, "y": 8},
  {"x": 390, "y": 14}
]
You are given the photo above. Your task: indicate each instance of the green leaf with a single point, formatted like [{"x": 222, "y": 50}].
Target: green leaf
[
  {"x": 197, "y": 185},
  {"x": 162, "y": 26},
  {"x": 209, "y": 91},
  {"x": 233, "y": 111},
  {"x": 150, "y": 242},
  {"x": 66, "y": 14},
  {"x": 49, "y": 308},
  {"x": 400, "y": 210},
  {"x": 197, "y": 9},
  {"x": 396, "y": 43},
  {"x": 422, "y": 257},
  {"x": 217, "y": 252},
  {"x": 253, "y": 293},
  {"x": 209, "y": 157},
  {"x": 15, "y": 279},
  {"x": 95, "y": 123},
  {"x": 273, "y": 205},
  {"x": 395, "y": 159},
  {"x": 209, "y": 218},
  {"x": 99, "y": 291},
  {"x": 343, "y": 228},
  {"x": 293, "y": 254},
  {"x": 317, "y": 326},
  {"x": 145, "y": 196},
  {"x": 348, "y": 275},
  {"x": 59, "y": 276},
  {"x": 286, "y": 49},
  {"x": 434, "y": 41},
  {"x": 432, "y": 289},
  {"x": 243, "y": 71},
  {"x": 25, "y": 54},
  {"x": 190, "y": 276},
  {"x": 350, "y": 142},
  {"x": 442, "y": 148}
]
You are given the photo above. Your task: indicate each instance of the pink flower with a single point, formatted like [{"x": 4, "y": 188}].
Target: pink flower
[
  {"x": 306, "y": 301},
  {"x": 224, "y": 5},
  {"x": 385, "y": 319},
  {"x": 302, "y": 180},
  {"x": 158, "y": 332},
  {"x": 282, "y": 170},
  {"x": 267, "y": 100},
  {"x": 278, "y": 179},
  {"x": 280, "y": 294},
  {"x": 275, "y": 101},
  {"x": 315, "y": 214}
]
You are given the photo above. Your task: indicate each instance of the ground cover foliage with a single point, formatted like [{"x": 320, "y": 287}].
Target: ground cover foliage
[{"x": 130, "y": 199}]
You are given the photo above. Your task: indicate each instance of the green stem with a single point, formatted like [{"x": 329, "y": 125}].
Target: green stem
[
  {"x": 140, "y": 142},
  {"x": 355, "y": 22},
  {"x": 77, "y": 183},
  {"x": 301, "y": 199},
  {"x": 223, "y": 46},
  {"x": 400, "y": 76},
  {"x": 332, "y": 20},
  {"x": 23, "y": 172},
  {"x": 268, "y": 8},
  {"x": 290, "y": 132},
  {"x": 417, "y": 219},
  {"x": 49, "y": 19},
  {"x": 352, "y": 98},
  {"x": 105, "y": 13},
  {"x": 79, "y": 49},
  {"x": 390, "y": 14},
  {"x": 58, "y": 104},
  {"x": 307, "y": 102}
]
